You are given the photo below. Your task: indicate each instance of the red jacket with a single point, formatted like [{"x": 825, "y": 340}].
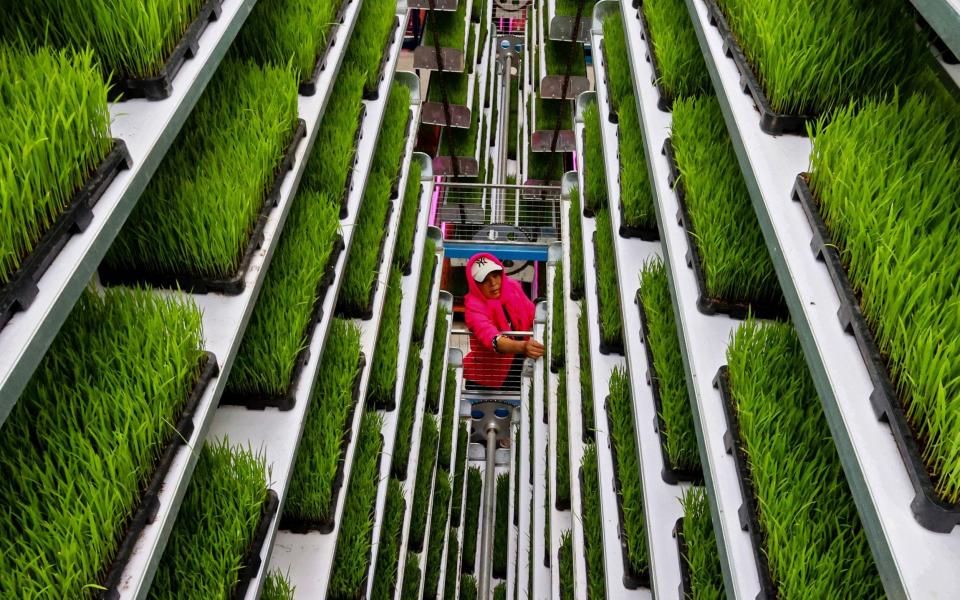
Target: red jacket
[{"x": 485, "y": 319}]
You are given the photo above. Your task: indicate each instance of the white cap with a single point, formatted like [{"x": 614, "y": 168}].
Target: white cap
[{"x": 482, "y": 267}]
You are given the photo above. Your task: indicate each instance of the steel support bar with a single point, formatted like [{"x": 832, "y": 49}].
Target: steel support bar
[{"x": 486, "y": 535}]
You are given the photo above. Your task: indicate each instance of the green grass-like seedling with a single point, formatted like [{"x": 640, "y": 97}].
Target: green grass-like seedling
[
  {"x": 56, "y": 131},
  {"x": 565, "y": 559},
  {"x": 468, "y": 587},
  {"x": 279, "y": 327},
  {"x": 608, "y": 289},
  {"x": 447, "y": 420},
  {"x": 424, "y": 290},
  {"x": 624, "y": 442},
  {"x": 124, "y": 362},
  {"x": 385, "y": 369},
  {"x": 279, "y": 31},
  {"x": 702, "y": 558},
  {"x": 460, "y": 471},
  {"x": 548, "y": 111},
  {"x": 501, "y": 525},
  {"x": 198, "y": 212},
  {"x": 450, "y": 28},
  {"x": 558, "y": 339},
  {"x": 311, "y": 496},
  {"x": 456, "y": 85},
  {"x": 129, "y": 38},
  {"x": 408, "y": 408},
  {"x": 438, "y": 358},
  {"x": 348, "y": 578},
  {"x": 388, "y": 550},
  {"x": 369, "y": 230},
  {"x": 636, "y": 193},
  {"x": 407, "y": 226},
  {"x": 734, "y": 258},
  {"x": 411, "y": 577},
  {"x": 576, "y": 247},
  {"x": 592, "y": 524},
  {"x": 500, "y": 592},
  {"x": 277, "y": 586},
  {"x": 545, "y": 166},
  {"x": 471, "y": 518},
  {"x": 369, "y": 39},
  {"x": 426, "y": 462},
  {"x": 594, "y": 174},
  {"x": 886, "y": 178},
  {"x": 619, "y": 76},
  {"x": 805, "y": 506},
  {"x": 586, "y": 375},
  {"x": 438, "y": 528},
  {"x": 453, "y": 555},
  {"x": 680, "y": 437},
  {"x": 215, "y": 527},
  {"x": 675, "y": 50},
  {"x": 809, "y": 59},
  {"x": 568, "y": 8},
  {"x": 563, "y": 442}
]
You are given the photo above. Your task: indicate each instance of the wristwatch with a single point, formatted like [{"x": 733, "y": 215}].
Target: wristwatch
[{"x": 496, "y": 338}]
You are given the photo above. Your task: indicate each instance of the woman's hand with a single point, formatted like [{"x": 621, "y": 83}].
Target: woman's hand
[{"x": 533, "y": 349}]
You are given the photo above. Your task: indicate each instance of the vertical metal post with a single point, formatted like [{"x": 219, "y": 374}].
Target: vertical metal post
[{"x": 486, "y": 525}]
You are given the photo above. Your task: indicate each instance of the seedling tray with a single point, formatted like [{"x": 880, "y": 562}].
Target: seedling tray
[
  {"x": 234, "y": 284},
  {"x": 605, "y": 348},
  {"x": 611, "y": 113},
  {"x": 685, "y": 588},
  {"x": 664, "y": 100},
  {"x": 749, "y": 510},
  {"x": 931, "y": 511},
  {"x": 251, "y": 563},
  {"x": 287, "y": 400},
  {"x": 298, "y": 525},
  {"x": 631, "y": 579},
  {"x": 670, "y": 473},
  {"x": 308, "y": 87},
  {"x": 771, "y": 121},
  {"x": 345, "y": 196},
  {"x": 408, "y": 268},
  {"x": 161, "y": 86},
  {"x": 146, "y": 512},
  {"x": 706, "y": 304},
  {"x": 647, "y": 234},
  {"x": 384, "y": 58},
  {"x": 365, "y": 313},
  {"x": 19, "y": 293}
]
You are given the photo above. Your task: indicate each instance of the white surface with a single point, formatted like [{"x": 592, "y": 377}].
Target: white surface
[
  {"x": 541, "y": 585},
  {"x": 661, "y": 501},
  {"x": 913, "y": 562},
  {"x": 224, "y": 321},
  {"x": 277, "y": 433},
  {"x": 148, "y": 128}
]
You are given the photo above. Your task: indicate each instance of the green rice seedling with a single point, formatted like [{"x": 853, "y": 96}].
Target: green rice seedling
[
  {"x": 351, "y": 562},
  {"x": 459, "y": 473},
  {"x": 384, "y": 371},
  {"x": 422, "y": 489},
  {"x": 677, "y": 431},
  {"x": 471, "y": 519},
  {"x": 277, "y": 586},
  {"x": 736, "y": 266},
  {"x": 197, "y": 215},
  {"x": 369, "y": 230},
  {"x": 568, "y": 8},
  {"x": 617, "y": 62},
  {"x": 500, "y": 592},
  {"x": 329, "y": 167},
  {"x": 702, "y": 558},
  {"x": 280, "y": 326},
  {"x": 447, "y": 28},
  {"x": 408, "y": 407},
  {"x": 438, "y": 358},
  {"x": 576, "y": 247},
  {"x": 125, "y": 361},
  {"x": 453, "y": 555},
  {"x": 468, "y": 587},
  {"x": 624, "y": 443},
  {"x": 514, "y": 116},
  {"x": 594, "y": 174},
  {"x": 438, "y": 528},
  {"x": 586, "y": 376},
  {"x": 608, "y": 289},
  {"x": 129, "y": 38},
  {"x": 56, "y": 131},
  {"x": 885, "y": 175},
  {"x": 280, "y": 31},
  {"x": 216, "y": 525},
  {"x": 456, "y": 141},
  {"x": 545, "y": 166},
  {"x": 407, "y": 226},
  {"x": 681, "y": 71},
  {"x": 370, "y": 35},
  {"x": 592, "y": 523},
  {"x": 805, "y": 506},
  {"x": 548, "y": 111},
  {"x": 565, "y": 559},
  {"x": 446, "y": 420},
  {"x": 809, "y": 59},
  {"x": 636, "y": 193},
  {"x": 388, "y": 550},
  {"x": 563, "y": 444},
  {"x": 454, "y": 84},
  {"x": 424, "y": 290},
  {"x": 558, "y": 54},
  {"x": 312, "y": 495},
  {"x": 558, "y": 336},
  {"x": 411, "y": 577},
  {"x": 500, "y": 526}
]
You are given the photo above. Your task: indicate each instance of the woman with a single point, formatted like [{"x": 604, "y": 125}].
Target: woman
[{"x": 495, "y": 304}]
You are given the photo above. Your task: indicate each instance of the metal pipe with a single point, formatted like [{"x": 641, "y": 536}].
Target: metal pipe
[{"x": 486, "y": 535}]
